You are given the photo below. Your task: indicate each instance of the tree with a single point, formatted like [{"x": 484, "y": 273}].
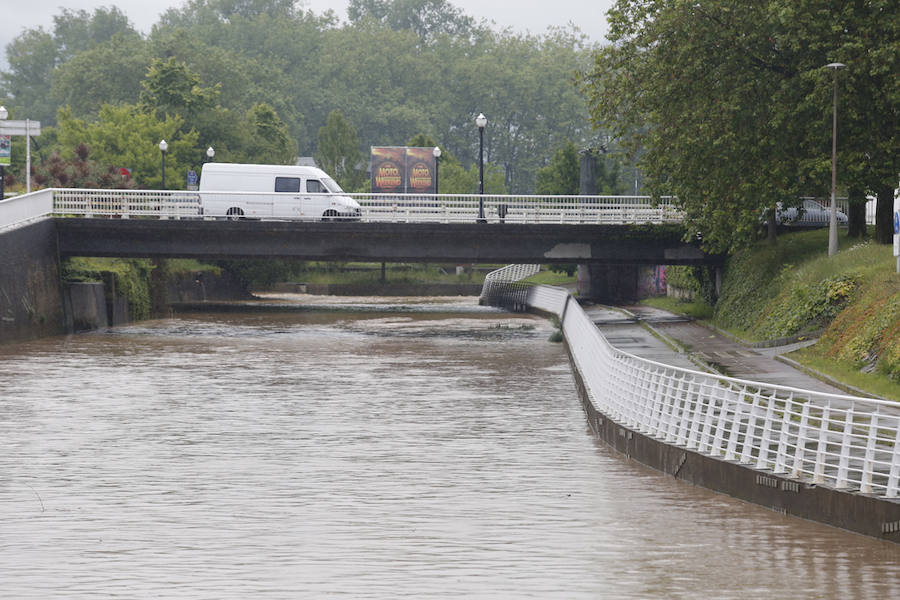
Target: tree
[
  {"x": 338, "y": 151},
  {"x": 728, "y": 101},
  {"x": 170, "y": 88},
  {"x": 107, "y": 73},
  {"x": 79, "y": 171},
  {"x": 35, "y": 54},
  {"x": 427, "y": 18},
  {"x": 267, "y": 138},
  {"x": 32, "y": 57},
  {"x": 127, "y": 136},
  {"x": 562, "y": 175}
]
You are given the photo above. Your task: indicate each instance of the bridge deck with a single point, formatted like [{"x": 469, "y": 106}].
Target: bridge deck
[{"x": 391, "y": 242}]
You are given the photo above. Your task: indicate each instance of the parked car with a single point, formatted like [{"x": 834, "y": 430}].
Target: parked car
[{"x": 810, "y": 215}]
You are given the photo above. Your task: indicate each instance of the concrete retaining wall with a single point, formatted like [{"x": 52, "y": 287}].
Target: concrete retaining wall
[
  {"x": 85, "y": 306},
  {"x": 31, "y": 298},
  {"x": 876, "y": 517}
]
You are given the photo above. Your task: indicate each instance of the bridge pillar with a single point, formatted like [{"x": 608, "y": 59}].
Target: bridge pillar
[{"x": 608, "y": 284}]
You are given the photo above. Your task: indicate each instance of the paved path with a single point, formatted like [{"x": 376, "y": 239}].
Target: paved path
[{"x": 703, "y": 345}]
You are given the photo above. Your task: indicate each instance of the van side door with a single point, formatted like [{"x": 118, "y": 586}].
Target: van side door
[
  {"x": 288, "y": 201},
  {"x": 316, "y": 205}
]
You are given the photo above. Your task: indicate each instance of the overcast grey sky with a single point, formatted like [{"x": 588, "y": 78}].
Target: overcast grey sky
[{"x": 521, "y": 15}]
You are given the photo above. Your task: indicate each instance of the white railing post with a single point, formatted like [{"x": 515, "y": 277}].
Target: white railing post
[
  {"x": 893, "y": 483},
  {"x": 846, "y": 445},
  {"x": 762, "y": 460},
  {"x": 800, "y": 450},
  {"x": 865, "y": 480},
  {"x": 822, "y": 446},
  {"x": 736, "y": 422}
]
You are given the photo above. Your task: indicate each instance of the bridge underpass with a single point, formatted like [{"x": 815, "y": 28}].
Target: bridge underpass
[{"x": 608, "y": 255}]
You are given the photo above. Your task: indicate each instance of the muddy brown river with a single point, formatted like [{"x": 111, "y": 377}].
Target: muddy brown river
[{"x": 362, "y": 449}]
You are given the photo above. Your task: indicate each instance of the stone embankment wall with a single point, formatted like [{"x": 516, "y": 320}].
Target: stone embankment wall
[
  {"x": 34, "y": 302},
  {"x": 31, "y": 303}
]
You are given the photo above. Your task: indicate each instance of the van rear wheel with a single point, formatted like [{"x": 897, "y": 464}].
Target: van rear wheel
[
  {"x": 234, "y": 214},
  {"x": 330, "y": 215}
]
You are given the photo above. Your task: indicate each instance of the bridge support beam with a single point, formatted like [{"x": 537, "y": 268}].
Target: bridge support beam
[{"x": 608, "y": 284}]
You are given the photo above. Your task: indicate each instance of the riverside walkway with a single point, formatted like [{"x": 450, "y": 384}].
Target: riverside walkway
[{"x": 700, "y": 346}]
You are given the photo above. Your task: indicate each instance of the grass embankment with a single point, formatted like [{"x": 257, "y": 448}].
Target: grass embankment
[
  {"x": 370, "y": 273},
  {"x": 794, "y": 289}
]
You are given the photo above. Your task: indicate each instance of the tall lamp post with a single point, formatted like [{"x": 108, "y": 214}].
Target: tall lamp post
[
  {"x": 481, "y": 121},
  {"x": 832, "y": 226},
  {"x": 3, "y": 115},
  {"x": 163, "y": 146},
  {"x": 210, "y": 153},
  {"x": 437, "y": 154}
]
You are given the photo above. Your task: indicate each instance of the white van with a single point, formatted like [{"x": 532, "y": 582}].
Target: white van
[{"x": 273, "y": 192}]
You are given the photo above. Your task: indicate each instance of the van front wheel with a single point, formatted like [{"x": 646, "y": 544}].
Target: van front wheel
[
  {"x": 234, "y": 214},
  {"x": 330, "y": 215}
]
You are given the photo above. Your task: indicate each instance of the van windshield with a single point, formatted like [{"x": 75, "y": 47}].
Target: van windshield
[{"x": 331, "y": 185}]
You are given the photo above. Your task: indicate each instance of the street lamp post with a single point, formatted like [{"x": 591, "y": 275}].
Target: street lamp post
[
  {"x": 163, "y": 146},
  {"x": 210, "y": 153},
  {"x": 3, "y": 115},
  {"x": 481, "y": 121},
  {"x": 832, "y": 226},
  {"x": 437, "y": 155}
]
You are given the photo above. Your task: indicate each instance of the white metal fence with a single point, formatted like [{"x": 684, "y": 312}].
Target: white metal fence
[
  {"x": 500, "y": 287},
  {"x": 376, "y": 208},
  {"x": 841, "y": 441}
]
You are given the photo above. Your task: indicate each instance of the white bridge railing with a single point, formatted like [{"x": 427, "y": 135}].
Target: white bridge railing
[
  {"x": 841, "y": 441},
  {"x": 376, "y": 208}
]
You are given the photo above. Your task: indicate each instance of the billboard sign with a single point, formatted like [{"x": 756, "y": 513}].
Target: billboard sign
[
  {"x": 419, "y": 171},
  {"x": 402, "y": 170},
  {"x": 5, "y": 150}
]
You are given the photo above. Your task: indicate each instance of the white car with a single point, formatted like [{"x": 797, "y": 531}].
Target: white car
[{"x": 810, "y": 214}]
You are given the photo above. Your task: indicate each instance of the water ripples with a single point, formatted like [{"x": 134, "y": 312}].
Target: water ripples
[{"x": 304, "y": 455}]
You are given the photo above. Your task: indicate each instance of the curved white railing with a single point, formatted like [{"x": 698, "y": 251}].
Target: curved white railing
[
  {"x": 376, "y": 208},
  {"x": 499, "y": 285},
  {"x": 842, "y": 441}
]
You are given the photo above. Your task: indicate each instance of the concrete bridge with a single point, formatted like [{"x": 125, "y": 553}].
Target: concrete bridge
[{"x": 609, "y": 237}]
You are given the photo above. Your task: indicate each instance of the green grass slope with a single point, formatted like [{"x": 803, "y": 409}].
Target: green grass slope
[{"x": 793, "y": 288}]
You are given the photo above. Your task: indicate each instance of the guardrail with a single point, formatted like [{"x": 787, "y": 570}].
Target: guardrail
[
  {"x": 19, "y": 210},
  {"x": 375, "y": 208},
  {"x": 499, "y": 287},
  {"x": 845, "y": 442}
]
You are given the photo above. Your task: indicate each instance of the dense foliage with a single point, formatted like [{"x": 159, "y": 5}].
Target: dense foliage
[
  {"x": 266, "y": 80},
  {"x": 729, "y": 105}
]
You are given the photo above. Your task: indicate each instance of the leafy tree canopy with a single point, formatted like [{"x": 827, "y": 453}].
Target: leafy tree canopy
[
  {"x": 731, "y": 105},
  {"x": 339, "y": 153},
  {"x": 127, "y": 136}
]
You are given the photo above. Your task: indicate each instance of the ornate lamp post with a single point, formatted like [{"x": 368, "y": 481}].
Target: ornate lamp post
[
  {"x": 437, "y": 155},
  {"x": 481, "y": 121},
  {"x": 210, "y": 153},
  {"x": 163, "y": 147},
  {"x": 832, "y": 226}
]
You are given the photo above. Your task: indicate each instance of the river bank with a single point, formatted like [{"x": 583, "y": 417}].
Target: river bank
[{"x": 793, "y": 291}]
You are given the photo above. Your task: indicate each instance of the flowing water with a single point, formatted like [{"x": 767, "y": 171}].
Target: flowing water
[{"x": 422, "y": 451}]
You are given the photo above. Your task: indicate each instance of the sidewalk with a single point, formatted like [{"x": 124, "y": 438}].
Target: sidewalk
[{"x": 700, "y": 346}]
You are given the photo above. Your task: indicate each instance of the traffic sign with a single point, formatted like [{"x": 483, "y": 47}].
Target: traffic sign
[
  {"x": 897, "y": 230},
  {"x": 19, "y": 127}
]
